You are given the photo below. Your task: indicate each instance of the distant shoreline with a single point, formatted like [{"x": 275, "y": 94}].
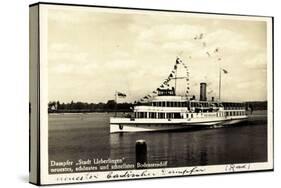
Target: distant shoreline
[
  {"x": 86, "y": 111},
  {"x": 112, "y": 107},
  {"x": 256, "y": 113}
]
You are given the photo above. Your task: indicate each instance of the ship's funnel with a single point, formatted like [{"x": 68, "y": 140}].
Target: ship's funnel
[{"x": 203, "y": 90}]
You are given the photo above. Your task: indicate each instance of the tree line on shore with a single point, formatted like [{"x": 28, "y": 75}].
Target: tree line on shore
[
  {"x": 111, "y": 106},
  {"x": 256, "y": 105}
]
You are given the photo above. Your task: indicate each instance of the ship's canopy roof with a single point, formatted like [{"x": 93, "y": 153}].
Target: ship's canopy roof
[
  {"x": 169, "y": 98},
  {"x": 185, "y": 99}
]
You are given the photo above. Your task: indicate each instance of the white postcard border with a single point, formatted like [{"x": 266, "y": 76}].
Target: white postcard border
[{"x": 46, "y": 178}]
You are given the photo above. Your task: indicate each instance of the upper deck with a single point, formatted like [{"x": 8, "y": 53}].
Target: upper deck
[{"x": 181, "y": 103}]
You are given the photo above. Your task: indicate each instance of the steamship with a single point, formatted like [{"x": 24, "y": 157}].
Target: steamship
[{"x": 168, "y": 111}]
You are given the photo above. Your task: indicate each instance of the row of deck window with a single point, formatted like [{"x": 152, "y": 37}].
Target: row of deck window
[
  {"x": 169, "y": 104},
  {"x": 183, "y": 104},
  {"x": 235, "y": 113},
  {"x": 227, "y": 106},
  {"x": 234, "y": 108},
  {"x": 161, "y": 115}
]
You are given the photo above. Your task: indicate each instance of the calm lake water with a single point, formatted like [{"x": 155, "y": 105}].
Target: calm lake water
[{"x": 86, "y": 136}]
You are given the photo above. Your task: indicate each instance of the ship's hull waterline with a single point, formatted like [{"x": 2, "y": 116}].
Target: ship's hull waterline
[{"x": 119, "y": 125}]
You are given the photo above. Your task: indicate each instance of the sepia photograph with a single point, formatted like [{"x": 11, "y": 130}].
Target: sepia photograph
[{"x": 139, "y": 93}]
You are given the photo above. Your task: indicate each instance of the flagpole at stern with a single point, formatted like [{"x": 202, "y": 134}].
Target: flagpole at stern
[
  {"x": 219, "y": 84},
  {"x": 115, "y": 108},
  {"x": 176, "y": 82}
]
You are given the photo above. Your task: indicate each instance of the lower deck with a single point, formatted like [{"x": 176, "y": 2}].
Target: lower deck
[
  {"x": 184, "y": 115},
  {"x": 152, "y": 124}
]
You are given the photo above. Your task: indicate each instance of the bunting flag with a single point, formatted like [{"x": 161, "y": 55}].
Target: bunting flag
[
  {"x": 122, "y": 95},
  {"x": 224, "y": 71},
  {"x": 165, "y": 83},
  {"x": 178, "y": 60},
  {"x": 199, "y": 37}
]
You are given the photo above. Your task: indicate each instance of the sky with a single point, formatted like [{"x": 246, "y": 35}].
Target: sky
[{"x": 92, "y": 53}]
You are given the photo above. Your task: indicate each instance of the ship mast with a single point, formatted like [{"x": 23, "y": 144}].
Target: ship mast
[
  {"x": 176, "y": 77},
  {"x": 115, "y": 105},
  {"x": 176, "y": 81}
]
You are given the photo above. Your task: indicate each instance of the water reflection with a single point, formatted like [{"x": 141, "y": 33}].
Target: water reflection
[
  {"x": 189, "y": 148},
  {"x": 71, "y": 137}
]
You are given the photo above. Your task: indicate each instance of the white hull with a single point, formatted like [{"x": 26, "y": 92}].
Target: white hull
[{"x": 143, "y": 125}]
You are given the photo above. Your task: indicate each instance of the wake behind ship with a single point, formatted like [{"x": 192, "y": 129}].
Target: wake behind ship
[{"x": 168, "y": 111}]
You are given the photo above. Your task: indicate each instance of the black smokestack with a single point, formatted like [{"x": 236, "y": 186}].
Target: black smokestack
[{"x": 203, "y": 90}]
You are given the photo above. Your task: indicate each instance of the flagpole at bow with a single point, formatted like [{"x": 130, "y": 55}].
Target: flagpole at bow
[{"x": 118, "y": 94}]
